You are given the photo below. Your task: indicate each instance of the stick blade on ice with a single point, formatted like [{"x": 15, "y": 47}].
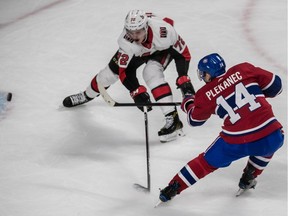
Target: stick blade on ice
[{"x": 141, "y": 188}]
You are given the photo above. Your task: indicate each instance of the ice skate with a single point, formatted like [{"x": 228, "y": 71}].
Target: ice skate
[
  {"x": 247, "y": 181},
  {"x": 76, "y": 99},
  {"x": 244, "y": 187},
  {"x": 172, "y": 128},
  {"x": 169, "y": 192}
]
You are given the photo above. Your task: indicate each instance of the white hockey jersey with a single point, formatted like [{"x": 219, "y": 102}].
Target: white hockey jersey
[{"x": 161, "y": 36}]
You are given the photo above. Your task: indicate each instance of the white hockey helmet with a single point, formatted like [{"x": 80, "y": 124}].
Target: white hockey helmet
[{"x": 136, "y": 20}]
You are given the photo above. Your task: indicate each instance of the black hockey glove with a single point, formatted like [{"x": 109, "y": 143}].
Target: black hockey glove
[
  {"x": 140, "y": 96},
  {"x": 184, "y": 83}
]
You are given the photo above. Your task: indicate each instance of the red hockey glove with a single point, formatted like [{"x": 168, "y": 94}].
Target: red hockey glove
[
  {"x": 187, "y": 103},
  {"x": 140, "y": 96}
]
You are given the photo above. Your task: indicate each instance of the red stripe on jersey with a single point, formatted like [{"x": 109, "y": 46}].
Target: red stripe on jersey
[
  {"x": 186, "y": 54},
  {"x": 164, "y": 61},
  {"x": 168, "y": 20},
  {"x": 122, "y": 74},
  {"x": 161, "y": 91},
  {"x": 256, "y": 135}
]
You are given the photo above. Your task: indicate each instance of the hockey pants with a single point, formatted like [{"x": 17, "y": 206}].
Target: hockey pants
[{"x": 221, "y": 154}]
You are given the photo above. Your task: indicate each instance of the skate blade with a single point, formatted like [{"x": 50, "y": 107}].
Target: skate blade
[
  {"x": 240, "y": 192},
  {"x": 157, "y": 204},
  {"x": 172, "y": 136},
  {"x": 180, "y": 132}
]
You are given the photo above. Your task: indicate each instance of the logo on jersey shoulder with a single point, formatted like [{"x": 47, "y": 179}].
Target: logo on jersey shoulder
[
  {"x": 126, "y": 37},
  {"x": 163, "y": 32}
]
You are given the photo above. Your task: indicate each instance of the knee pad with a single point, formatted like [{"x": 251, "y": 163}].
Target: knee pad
[
  {"x": 153, "y": 74},
  {"x": 106, "y": 77}
]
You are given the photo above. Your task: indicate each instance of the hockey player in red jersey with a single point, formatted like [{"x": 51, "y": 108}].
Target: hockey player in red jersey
[
  {"x": 238, "y": 96},
  {"x": 154, "y": 41}
]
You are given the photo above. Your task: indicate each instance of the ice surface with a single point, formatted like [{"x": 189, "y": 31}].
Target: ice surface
[{"x": 84, "y": 161}]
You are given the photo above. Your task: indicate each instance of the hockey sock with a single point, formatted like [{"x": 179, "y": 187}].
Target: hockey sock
[
  {"x": 258, "y": 163},
  {"x": 94, "y": 85},
  {"x": 192, "y": 172},
  {"x": 161, "y": 91}
]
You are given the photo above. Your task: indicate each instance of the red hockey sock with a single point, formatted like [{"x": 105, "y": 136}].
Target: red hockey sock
[
  {"x": 192, "y": 172},
  {"x": 94, "y": 84},
  {"x": 161, "y": 91}
]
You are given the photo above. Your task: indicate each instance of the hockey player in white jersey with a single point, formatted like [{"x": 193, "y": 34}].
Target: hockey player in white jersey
[{"x": 154, "y": 41}]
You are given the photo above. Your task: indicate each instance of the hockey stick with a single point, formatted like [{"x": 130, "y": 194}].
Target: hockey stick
[
  {"x": 138, "y": 186},
  {"x": 109, "y": 100},
  {"x": 112, "y": 103}
]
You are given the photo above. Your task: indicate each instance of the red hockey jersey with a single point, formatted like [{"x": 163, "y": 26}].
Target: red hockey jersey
[{"x": 239, "y": 98}]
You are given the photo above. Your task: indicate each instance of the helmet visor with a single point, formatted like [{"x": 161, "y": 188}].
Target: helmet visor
[
  {"x": 137, "y": 32},
  {"x": 138, "y": 36},
  {"x": 201, "y": 74}
]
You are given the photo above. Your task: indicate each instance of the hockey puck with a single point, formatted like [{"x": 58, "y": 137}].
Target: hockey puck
[{"x": 9, "y": 96}]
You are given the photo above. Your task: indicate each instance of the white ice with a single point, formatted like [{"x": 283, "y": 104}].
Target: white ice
[{"x": 84, "y": 161}]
